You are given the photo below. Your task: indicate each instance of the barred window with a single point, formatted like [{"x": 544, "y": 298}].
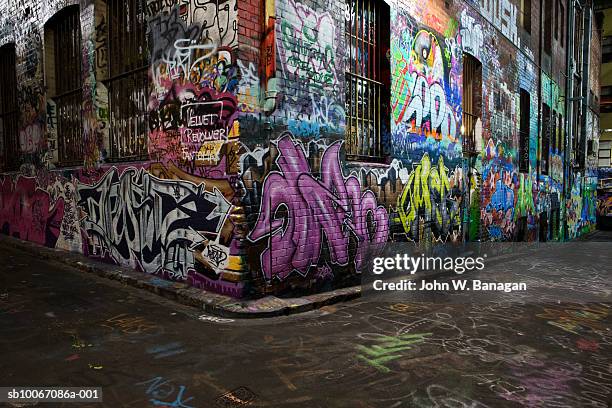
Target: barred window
[
  {"x": 64, "y": 82},
  {"x": 9, "y": 112},
  {"x": 366, "y": 33},
  {"x": 472, "y": 101},
  {"x": 525, "y": 106},
  {"x": 128, "y": 83}
]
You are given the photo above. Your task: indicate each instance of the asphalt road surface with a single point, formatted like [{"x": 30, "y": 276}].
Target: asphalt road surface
[{"x": 62, "y": 327}]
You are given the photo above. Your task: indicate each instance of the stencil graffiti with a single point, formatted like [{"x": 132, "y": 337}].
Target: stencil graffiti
[
  {"x": 193, "y": 104},
  {"x": 138, "y": 220},
  {"x": 300, "y": 212},
  {"x": 31, "y": 138}
]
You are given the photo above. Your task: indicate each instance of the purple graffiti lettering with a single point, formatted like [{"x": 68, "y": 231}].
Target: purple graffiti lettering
[{"x": 328, "y": 209}]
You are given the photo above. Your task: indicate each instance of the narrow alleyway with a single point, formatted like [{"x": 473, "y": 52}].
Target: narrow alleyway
[{"x": 62, "y": 327}]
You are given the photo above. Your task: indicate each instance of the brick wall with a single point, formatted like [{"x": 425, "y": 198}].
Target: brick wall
[{"x": 247, "y": 188}]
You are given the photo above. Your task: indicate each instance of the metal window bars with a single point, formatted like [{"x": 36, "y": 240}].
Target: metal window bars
[
  {"x": 66, "y": 29},
  {"x": 9, "y": 112},
  {"x": 471, "y": 67},
  {"x": 469, "y": 136},
  {"x": 128, "y": 86},
  {"x": 363, "y": 85}
]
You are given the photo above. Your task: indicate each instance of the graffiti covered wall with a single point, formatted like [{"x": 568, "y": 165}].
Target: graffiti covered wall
[
  {"x": 174, "y": 214},
  {"x": 245, "y": 187}
]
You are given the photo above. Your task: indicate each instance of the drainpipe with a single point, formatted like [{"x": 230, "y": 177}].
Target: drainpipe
[
  {"x": 268, "y": 52},
  {"x": 539, "y": 110},
  {"x": 586, "y": 62},
  {"x": 569, "y": 111}
]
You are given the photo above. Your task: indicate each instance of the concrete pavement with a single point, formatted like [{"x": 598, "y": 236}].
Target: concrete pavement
[{"x": 61, "y": 327}]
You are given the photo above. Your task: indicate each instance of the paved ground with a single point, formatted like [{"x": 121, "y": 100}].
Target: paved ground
[{"x": 548, "y": 347}]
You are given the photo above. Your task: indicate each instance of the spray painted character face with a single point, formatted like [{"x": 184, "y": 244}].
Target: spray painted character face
[{"x": 427, "y": 57}]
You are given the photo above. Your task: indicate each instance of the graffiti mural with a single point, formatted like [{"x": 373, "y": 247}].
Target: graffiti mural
[
  {"x": 425, "y": 91},
  {"x": 499, "y": 191},
  {"x": 503, "y": 15},
  {"x": 308, "y": 43},
  {"x": 308, "y": 49},
  {"x": 304, "y": 209},
  {"x": 28, "y": 212},
  {"x": 433, "y": 198},
  {"x": 135, "y": 219},
  {"x": 581, "y": 207},
  {"x": 245, "y": 187},
  {"x": 471, "y": 34},
  {"x": 193, "y": 107},
  {"x": 604, "y": 192}
]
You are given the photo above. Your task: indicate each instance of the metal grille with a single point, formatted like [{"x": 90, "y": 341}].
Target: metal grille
[
  {"x": 128, "y": 85},
  {"x": 364, "y": 88},
  {"x": 66, "y": 29},
  {"x": 9, "y": 112},
  {"x": 472, "y": 88},
  {"x": 525, "y": 107}
]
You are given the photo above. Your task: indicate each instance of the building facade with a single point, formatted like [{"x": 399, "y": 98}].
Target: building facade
[
  {"x": 604, "y": 196},
  {"x": 257, "y": 146}
]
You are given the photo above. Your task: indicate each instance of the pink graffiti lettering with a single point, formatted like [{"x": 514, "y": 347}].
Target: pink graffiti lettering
[{"x": 26, "y": 212}]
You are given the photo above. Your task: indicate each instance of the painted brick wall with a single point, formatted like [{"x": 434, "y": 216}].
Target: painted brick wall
[
  {"x": 176, "y": 218},
  {"x": 246, "y": 189}
]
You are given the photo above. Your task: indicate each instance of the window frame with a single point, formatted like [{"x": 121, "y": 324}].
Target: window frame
[
  {"x": 369, "y": 75},
  {"x": 547, "y": 28},
  {"x": 128, "y": 80},
  {"x": 526, "y": 15},
  {"x": 9, "y": 108},
  {"x": 471, "y": 102},
  {"x": 66, "y": 88}
]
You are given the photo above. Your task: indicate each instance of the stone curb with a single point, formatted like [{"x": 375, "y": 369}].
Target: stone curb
[{"x": 209, "y": 302}]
